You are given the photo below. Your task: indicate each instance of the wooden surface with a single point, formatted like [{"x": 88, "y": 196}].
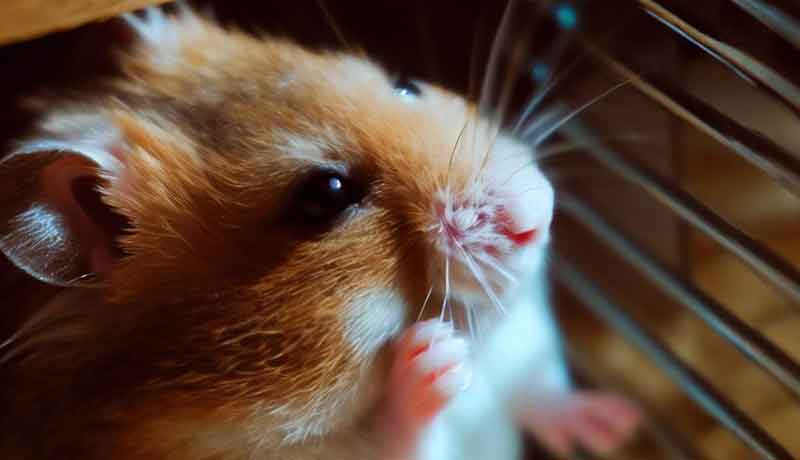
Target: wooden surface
[{"x": 25, "y": 19}]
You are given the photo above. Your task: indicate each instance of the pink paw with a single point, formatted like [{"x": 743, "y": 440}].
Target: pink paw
[
  {"x": 430, "y": 368},
  {"x": 595, "y": 421}
]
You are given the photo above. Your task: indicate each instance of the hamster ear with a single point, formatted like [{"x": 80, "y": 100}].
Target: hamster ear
[{"x": 54, "y": 223}]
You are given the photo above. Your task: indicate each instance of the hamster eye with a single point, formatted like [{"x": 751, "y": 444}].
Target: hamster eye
[
  {"x": 323, "y": 196},
  {"x": 406, "y": 87}
]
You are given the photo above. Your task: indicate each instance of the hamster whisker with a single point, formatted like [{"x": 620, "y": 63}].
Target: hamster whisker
[
  {"x": 487, "y": 153},
  {"x": 334, "y": 25},
  {"x": 523, "y": 191},
  {"x": 497, "y": 120},
  {"x": 561, "y": 148},
  {"x": 476, "y": 193},
  {"x": 487, "y": 92},
  {"x": 468, "y": 311},
  {"x": 543, "y": 91},
  {"x": 504, "y": 99},
  {"x": 448, "y": 316},
  {"x": 476, "y": 324},
  {"x": 548, "y": 132},
  {"x": 495, "y": 265},
  {"x": 60, "y": 328},
  {"x": 541, "y": 122},
  {"x": 456, "y": 146},
  {"x": 475, "y": 61},
  {"x": 425, "y": 303},
  {"x": 494, "y": 54},
  {"x": 426, "y": 41},
  {"x": 552, "y": 116},
  {"x": 481, "y": 278},
  {"x": 564, "y": 175},
  {"x": 446, "y": 299},
  {"x": 46, "y": 319},
  {"x": 6, "y": 343},
  {"x": 518, "y": 54},
  {"x": 516, "y": 171},
  {"x": 479, "y": 173},
  {"x": 6, "y": 348}
]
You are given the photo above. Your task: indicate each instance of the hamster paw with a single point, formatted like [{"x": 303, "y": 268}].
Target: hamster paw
[
  {"x": 430, "y": 368},
  {"x": 595, "y": 421}
]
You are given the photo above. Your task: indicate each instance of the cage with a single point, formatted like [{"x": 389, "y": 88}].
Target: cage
[{"x": 675, "y": 257}]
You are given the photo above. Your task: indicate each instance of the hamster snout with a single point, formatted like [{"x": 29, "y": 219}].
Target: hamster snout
[{"x": 488, "y": 232}]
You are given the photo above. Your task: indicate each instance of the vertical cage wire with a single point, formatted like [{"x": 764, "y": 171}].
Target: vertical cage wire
[{"x": 744, "y": 61}]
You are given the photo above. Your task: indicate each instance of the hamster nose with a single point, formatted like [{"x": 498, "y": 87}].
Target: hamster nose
[
  {"x": 522, "y": 218},
  {"x": 521, "y": 238},
  {"x": 516, "y": 229}
]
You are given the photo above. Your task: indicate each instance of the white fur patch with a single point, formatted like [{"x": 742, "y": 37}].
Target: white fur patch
[
  {"x": 374, "y": 319},
  {"x": 91, "y": 135},
  {"x": 162, "y": 34},
  {"x": 527, "y": 192},
  {"x": 371, "y": 320},
  {"x": 155, "y": 27},
  {"x": 521, "y": 357},
  {"x": 99, "y": 156}
]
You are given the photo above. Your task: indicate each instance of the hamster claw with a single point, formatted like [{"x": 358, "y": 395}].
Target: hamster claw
[
  {"x": 590, "y": 421},
  {"x": 430, "y": 368}
]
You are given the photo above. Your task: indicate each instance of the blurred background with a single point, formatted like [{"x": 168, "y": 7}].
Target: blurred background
[{"x": 675, "y": 261}]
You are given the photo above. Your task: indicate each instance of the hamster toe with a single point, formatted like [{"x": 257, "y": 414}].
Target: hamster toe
[
  {"x": 431, "y": 367},
  {"x": 596, "y": 421}
]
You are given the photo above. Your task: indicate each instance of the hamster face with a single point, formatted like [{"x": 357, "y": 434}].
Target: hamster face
[{"x": 285, "y": 214}]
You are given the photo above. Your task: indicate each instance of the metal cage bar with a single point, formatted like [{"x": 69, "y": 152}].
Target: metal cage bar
[
  {"x": 697, "y": 388},
  {"x": 747, "y": 340},
  {"x": 774, "y": 18},
  {"x": 742, "y": 64},
  {"x": 665, "y": 435},
  {"x": 758, "y": 150},
  {"x": 760, "y": 259},
  {"x": 765, "y": 154}
]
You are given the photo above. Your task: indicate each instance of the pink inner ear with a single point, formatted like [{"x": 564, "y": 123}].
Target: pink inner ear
[{"x": 57, "y": 179}]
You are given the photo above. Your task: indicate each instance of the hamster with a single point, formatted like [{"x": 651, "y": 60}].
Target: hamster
[{"x": 258, "y": 246}]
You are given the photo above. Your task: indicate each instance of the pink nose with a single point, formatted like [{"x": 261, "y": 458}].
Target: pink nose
[
  {"x": 512, "y": 229},
  {"x": 521, "y": 238}
]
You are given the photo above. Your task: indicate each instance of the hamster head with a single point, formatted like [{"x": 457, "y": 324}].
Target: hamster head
[{"x": 264, "y": 218}]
